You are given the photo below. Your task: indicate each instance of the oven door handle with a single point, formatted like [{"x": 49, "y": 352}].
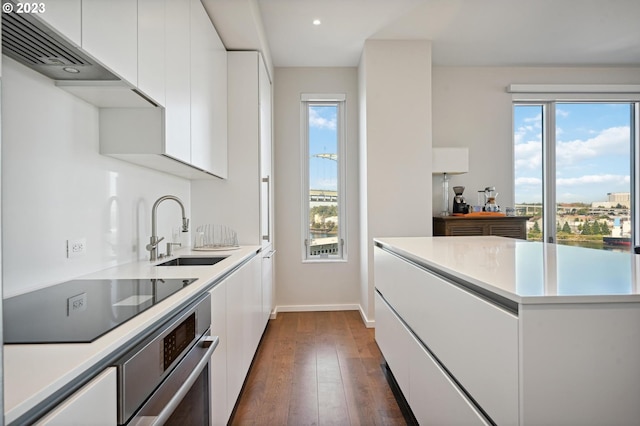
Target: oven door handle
[{"x": 208, "y": 342}]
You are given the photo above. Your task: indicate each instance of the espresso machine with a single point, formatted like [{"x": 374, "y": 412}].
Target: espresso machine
[{"x": 459, "y": 205}]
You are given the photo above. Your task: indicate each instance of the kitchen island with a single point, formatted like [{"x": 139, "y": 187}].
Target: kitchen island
[
  {"x": 493, "y": 330},
  {"x": 38, "y": 377}
]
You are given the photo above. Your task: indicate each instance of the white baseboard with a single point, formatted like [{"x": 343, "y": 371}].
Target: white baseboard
[
  {"x": 319, "y": 308},
  {"x": 367, "y": 322}
]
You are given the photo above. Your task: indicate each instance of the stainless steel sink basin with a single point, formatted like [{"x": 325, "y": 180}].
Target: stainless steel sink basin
[{"x": 192, "y": 261}]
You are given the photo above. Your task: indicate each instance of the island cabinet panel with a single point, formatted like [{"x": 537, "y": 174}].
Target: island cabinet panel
[
  {"x": 563, "y": 352},
  {"x": 475, "y": 340},
  {"x": 434, "y": 398},
  {"x": 394, "y": 340},
  {"x": 580, "y": 364}
]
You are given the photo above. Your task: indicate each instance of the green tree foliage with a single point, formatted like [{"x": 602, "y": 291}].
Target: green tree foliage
[
  {"x": 566, "y": 228},
  {"x": 318, "y": 216}
]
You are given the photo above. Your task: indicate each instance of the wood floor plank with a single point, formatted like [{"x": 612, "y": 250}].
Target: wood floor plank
[{"x": 317, "y": 368}]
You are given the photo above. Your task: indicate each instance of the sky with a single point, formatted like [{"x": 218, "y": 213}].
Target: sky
[
  {"x": 592, "y": 151},
  {"x": 323, "y": 138}
]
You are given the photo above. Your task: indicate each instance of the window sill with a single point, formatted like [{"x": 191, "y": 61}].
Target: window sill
[{"x": 328, "y": 260}]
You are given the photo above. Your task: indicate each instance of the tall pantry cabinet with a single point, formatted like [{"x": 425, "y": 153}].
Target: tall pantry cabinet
[
  {"x": 243, "y": 302},
  {"x": 244, "y": 201}
]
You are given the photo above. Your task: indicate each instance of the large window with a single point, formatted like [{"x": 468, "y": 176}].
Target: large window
[
  {"x": 323, "y": 210},
  {"x": 574, "y": 172}
]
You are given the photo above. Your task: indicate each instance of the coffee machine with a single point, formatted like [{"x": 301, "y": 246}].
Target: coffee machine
[{"x": 459, "y": 205}]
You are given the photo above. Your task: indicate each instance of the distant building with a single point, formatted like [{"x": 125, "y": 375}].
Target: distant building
[{"x": 614, "y": 199}]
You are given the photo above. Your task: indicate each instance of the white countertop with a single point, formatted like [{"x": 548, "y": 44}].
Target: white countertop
[
  {"x": 34, "y": 372},
  {"x": 527, "y": 272}
]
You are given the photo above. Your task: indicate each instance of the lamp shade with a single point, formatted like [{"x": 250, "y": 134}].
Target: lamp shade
[{"x": 450, "y": 160}]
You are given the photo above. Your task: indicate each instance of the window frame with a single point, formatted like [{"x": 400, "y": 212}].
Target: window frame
[
  {"x": 548, "y": 99},
  {"x": 306, "y": 101}
]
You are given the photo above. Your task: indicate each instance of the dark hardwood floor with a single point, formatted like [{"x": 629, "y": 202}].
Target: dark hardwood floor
[{"x": 317, "y": 368}]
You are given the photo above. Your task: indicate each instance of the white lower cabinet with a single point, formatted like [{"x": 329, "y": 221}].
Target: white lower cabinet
[
  {"x": 433, "y": 397},
  {"x": 267, "y": 282},
  {"x": 244, "y": 299},
  {"x": 237, "y": 319},
  {"x": 394, "y": 340},
  {"x": 219, "y": 410},
  {"x": 95, "y": 404},
  {"x": 476, "y": 341}
]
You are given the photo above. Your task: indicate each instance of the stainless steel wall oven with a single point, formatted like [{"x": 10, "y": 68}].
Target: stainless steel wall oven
[{"x": 166, "y": 378}]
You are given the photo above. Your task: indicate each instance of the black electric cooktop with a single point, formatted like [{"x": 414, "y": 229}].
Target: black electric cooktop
[{"x": 80, "y": 311}]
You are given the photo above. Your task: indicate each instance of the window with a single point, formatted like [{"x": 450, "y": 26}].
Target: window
[
  {"x": 574, "y": 172},
  {"x": 323, "y": 209}
]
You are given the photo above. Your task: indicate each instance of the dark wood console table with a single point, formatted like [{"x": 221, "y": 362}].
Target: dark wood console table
[{"x": 503, "y": 226}]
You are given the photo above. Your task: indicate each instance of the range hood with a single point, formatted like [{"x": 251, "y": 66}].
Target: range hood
[
  {"x": 32, "y": 43},
  {"x": 29, "y": 41}
]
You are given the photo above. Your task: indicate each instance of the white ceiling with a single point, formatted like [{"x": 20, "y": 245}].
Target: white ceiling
[{"x": 463, "y": 32}]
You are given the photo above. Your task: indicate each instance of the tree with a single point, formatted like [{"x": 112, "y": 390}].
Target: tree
[
  {"x": 536, "y": 227},
  {"x": 604, "y": 228},
  {"x": 586, "y": 229},
  {"x": 566, "y": 228},
  {"x": 596, "y": 228}
]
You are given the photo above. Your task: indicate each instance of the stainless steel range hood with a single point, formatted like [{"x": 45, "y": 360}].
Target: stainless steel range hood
[{"x": 32, "y": 43}]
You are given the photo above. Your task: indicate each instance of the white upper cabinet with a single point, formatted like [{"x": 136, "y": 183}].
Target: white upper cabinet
[
  {"x": 110, "y": 34},
  {"x": 182, "y": 66},
  {"x": 208, "y": 94},
  {"x": 169, "y": 53},
  {"x": 177, "y": 80},
  {"x": 65, "y": 16},
  {"x": 151, "y": 49}
]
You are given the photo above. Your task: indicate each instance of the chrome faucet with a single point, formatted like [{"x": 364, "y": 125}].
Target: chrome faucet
[{"x": 153, "y": 244}]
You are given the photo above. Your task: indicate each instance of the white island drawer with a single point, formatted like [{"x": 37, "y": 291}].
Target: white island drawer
[{"x": 475, "y": 340}]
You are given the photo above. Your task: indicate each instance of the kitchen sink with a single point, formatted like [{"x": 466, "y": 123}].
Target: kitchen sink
[{"x": 192, "y": 261}]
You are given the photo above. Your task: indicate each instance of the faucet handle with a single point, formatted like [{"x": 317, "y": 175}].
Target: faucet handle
[{"x": 154, "y": 244}]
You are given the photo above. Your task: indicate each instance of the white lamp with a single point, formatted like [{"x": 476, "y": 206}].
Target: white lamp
[{"x": 449, "y": 161}]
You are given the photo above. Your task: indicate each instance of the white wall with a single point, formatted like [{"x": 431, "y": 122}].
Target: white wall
[
  {"x": 56, "y": 186},
  {"x": 395, "y": 144},
  {"x": 471, "y": 108},
  {"x": 311, "y": 285}
]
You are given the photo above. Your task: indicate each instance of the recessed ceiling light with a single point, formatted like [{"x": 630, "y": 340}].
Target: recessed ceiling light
[
  {"x": 316, "y": 22},
  {"x": 71, "y": 70}
]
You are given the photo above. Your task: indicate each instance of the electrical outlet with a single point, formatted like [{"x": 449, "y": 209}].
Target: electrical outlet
[
  {"x": 76, "y": 248},
  {"x": 76, "y": 304}
]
